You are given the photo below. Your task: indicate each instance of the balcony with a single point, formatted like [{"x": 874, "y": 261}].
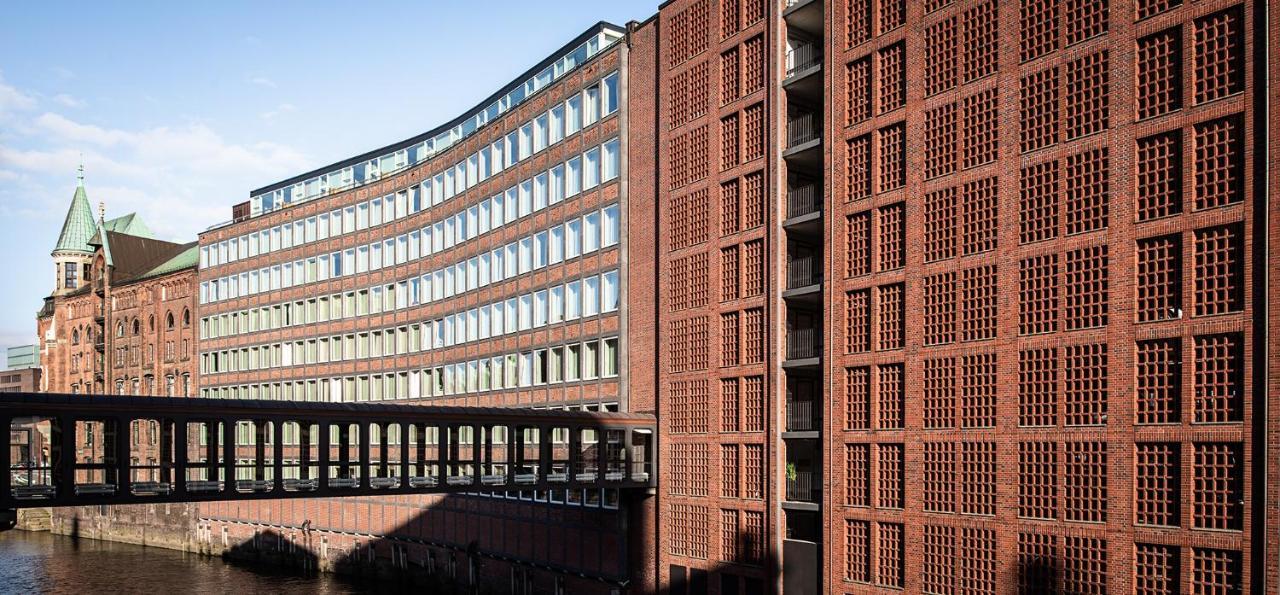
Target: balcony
[
  {"x": 804, "y": 268},
  {"x": 804, "y": 274},
  {"x": 803, "y": 485},
  {"x": 803, "y": 59},
  {"x": 804, "y": 207},
  {"x": 804, "y": 141},
  {"x": 804, "y": 346},
  {"x": 804, "y": 407},
  {"x": 99, "y": 286},
  {"x": 803, "y": 200},
  {"x": 803, "y": 79},
  {"x": 99, "y": 345},
  {"x": 803, "y": 128},
  {"x": 803, "y": 416}
]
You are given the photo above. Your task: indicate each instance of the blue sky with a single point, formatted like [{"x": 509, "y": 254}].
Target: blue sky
[{"x": 180, "y": 109}]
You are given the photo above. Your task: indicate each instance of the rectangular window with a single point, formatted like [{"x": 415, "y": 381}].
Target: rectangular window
[
  {"x": 610, "y": 101},
  {"x": 612, "y": 225},
  {"x": 573, "y": 238},
  {"x": 573, "y": 115},
  {"x": 573, "y": 300},
  {"x": 591, "y": 169},
  {"x": 573, "y": 176},
  {"x": 611, "y": 160},
  {"x": 590, "y": 296},
  {"x": 590, "y": 232},
  {"x": 610, "y": 292},
  {"x": 590, "y": 106}
]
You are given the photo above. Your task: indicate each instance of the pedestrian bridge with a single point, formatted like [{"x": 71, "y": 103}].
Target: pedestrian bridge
[{"x": 74, "y": 450}]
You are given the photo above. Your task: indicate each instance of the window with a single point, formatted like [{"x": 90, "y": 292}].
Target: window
[
  {"x": 590, "y": 296},
  {"x": 555, "y": 248},
  {"x": 556, "y": 124},
  {"x": 610, "y": 163},
  {"x": 556, "y": 304},
  {"x": 612, "y": 226},
  {"x": 556, "y": 189},
  {"x": 573, "y": 238},
  {"x": 591, "y": 169},
  {"x": 610, "y": 101},
  {"x": 573, "y": 115},
  {"x": 610, "y": 292},
  {"x": 590, "y": 232},
  {"x": 591, "y": 106},
  {"x": 573, "y": 300},
  {"x": 573, "y": 180}
]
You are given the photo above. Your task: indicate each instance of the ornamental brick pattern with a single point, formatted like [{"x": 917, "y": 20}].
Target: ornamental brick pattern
[{"x": 1077, "y": 212}]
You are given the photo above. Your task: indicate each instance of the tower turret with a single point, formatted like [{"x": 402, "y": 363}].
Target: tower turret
[{"x": 72, "y": 254}]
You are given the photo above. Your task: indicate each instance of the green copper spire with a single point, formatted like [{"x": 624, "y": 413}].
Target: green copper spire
[{"x": 79, "y": 225}]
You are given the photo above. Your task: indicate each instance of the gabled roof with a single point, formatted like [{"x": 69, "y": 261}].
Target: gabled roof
[
  {"x": 133, "y": 257},
  {"x": 186, "y": 259},
  {"x": 130, "y": 224},
  {"x": 78, "y": 227}
]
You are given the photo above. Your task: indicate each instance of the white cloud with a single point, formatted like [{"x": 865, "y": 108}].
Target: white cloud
[
  {"x": 283, "y": 108},
  {"x": 13, "y": 100},
  {"x": 263, "y": 81},
  {"x": 180, "y": 178},
  {"x": 69, "y": 101},
  {"x": 63, "y": 129}
]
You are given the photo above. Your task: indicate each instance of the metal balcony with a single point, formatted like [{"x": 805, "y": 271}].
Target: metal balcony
[
  {"x": 804, "y": 485},
  {"x": 803, "y": 128},
  {"x": 802, "y": 416},
  {"x": 804, "y": 275},
  {"x": 803, "y": 200},
  {"x": 804, "y": 345},
  {"x": 803, "y": 57},
  {"x": 804, "y": 142},
  {"x": 804, "y": 269},
  {"x": 804, "y": 208}
]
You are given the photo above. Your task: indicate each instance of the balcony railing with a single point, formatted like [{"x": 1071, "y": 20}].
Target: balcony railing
[
  {"x": 803, "y": 486},
  {"x": 802, "y": 56},
  {"x": 802, "y": 416},
  {"x": 802, "y": 127},
  {"x": 804, "y": 270},
  {"x": 804, "y": 342},
  {"x": 803, "y": 200}
]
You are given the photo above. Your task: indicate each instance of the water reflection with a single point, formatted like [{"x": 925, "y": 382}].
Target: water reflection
[{"x": 46, "y": 563}]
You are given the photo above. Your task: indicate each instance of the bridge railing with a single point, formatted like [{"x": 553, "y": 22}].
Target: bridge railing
[{"x": 124, "y": 450}]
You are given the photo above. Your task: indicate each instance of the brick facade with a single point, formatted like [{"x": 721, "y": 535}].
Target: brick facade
[
  {"x": 560, "y": 542},
  {"x": 954, "y": 295}
]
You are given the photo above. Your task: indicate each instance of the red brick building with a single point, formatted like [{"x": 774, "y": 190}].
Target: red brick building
[
  {"x": 125, "y": 326},
  {"x": 121, "y": 317},
  {"x": 963, "y": 296},
  {"x": 480, "y": 264},
  {"x": 930, "y": 297}
]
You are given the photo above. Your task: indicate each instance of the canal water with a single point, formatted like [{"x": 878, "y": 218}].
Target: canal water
[{"x": 45, "y": 563}]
